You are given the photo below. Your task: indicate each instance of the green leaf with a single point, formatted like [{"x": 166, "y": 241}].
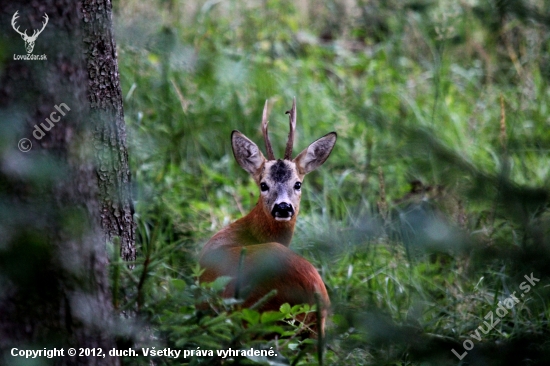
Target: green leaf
[
  {"x": 219, "y": 283},
  {"x": 297, "y": 309},
  {"x": 178, "y": 284},
  {"x": 285, "y": 308},
  {"x": 251, "y": 316},
  {"x": 271, "y": 316}
]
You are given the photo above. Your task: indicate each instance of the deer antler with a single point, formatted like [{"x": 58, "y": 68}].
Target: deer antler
[
  {"x": 24, "y": 34},
  {"x": 36, "y": 33},
  {"x": 270, "y": 155},
  {"x": 292, "y": 122},
  {"x": 15, "y": 16}
]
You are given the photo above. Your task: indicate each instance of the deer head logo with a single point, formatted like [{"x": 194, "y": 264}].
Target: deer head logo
[{"x": 29, "y": 40}]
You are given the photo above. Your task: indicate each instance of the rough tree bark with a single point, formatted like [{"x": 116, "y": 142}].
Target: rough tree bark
[
  {"x": 64, "y": 199},
  {"x": 105, "y": 96}
]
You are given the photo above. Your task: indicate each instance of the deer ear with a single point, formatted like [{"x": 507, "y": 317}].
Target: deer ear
[
  {"x": 315, "y": 154},
  {"x": 247, "y": 153}
]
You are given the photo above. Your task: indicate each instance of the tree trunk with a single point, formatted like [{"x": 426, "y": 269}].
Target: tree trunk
[
  {"x": 63, "y": 199},
  {"x": 105, "y": 96}
]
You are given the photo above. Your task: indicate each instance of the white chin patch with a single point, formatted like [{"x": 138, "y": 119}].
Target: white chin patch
[{"x": 282, "y": 218}]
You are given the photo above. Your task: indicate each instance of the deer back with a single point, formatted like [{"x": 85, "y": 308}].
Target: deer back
[{"x": 266, "y": 232}]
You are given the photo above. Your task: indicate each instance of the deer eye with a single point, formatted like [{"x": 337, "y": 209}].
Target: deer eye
[
  {"x": 297, "y": 185},
  {"x": 263, "y": 187}
]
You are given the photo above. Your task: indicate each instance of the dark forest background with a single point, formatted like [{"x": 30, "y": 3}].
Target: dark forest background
[{"x": 430, "y": 212}]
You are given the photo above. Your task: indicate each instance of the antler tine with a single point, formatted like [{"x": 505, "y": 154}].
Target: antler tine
[
  {"x": 37, "y": 32},
  {"x": 13, "y": 23},
  {"x": 270, "y": 155},
  {"x": 292, "y": 122},
  {"x": 45, "y": 22}
]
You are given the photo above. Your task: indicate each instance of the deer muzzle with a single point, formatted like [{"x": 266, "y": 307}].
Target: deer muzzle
[{"x": 282, "y": 211}]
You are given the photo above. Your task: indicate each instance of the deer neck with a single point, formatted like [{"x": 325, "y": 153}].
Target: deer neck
[{"x": 259, "y": 227}]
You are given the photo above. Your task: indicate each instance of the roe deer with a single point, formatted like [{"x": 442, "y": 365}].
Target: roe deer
[{"x": 267, "y": 230}]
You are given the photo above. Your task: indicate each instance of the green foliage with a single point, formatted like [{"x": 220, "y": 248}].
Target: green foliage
[{"x": 450, "y": 93}]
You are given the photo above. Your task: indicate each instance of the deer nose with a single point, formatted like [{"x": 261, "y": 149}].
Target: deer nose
[{"x": 282, "y": 211}]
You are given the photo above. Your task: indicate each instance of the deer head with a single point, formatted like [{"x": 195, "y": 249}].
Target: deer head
[
  {"x": 280, "y": 180},
  {"x": 29, "y": 40}
]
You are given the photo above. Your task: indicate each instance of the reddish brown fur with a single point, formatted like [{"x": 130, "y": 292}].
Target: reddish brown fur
[
  {"x": 267, "y": 266},
  {"x": 267, "y": 230}
]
